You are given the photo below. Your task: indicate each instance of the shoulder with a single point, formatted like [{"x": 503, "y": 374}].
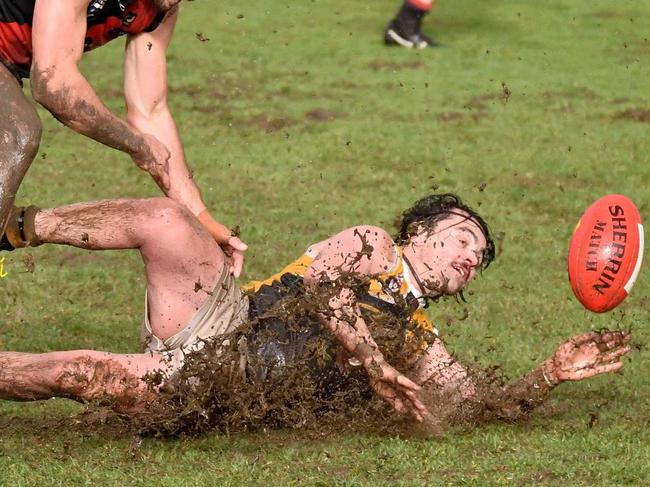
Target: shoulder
[
  {"x": 366, "y": 249},
  {"x": 359, "y": 238}
]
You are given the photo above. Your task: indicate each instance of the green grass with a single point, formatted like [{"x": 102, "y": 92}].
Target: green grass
[{"x": 298, "y": 122}]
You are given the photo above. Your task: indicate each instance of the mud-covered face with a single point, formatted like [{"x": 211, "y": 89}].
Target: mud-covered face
[{"x": 445, "y": 257}]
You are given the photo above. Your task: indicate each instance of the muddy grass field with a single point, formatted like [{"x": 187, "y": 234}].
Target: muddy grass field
[{"x": 298, "y": 122}]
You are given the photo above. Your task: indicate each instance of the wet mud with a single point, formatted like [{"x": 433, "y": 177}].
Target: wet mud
[
  {"x": 240, "y": 382},
  {"x": 634, "y": 114},
  {"x": 393, "y": 66}
]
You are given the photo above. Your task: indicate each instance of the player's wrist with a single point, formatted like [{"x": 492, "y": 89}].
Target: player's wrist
[
  {"x": 549, "y": 373},
  {"x": 219, "y": 232},
  {"x": 137, "y": 146},
  {"x": 368, "y": 355}
]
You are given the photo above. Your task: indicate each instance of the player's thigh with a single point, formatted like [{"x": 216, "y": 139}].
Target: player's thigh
[
  {"x": 174, "y": 241},
  {"x": 20, "y": 136},
  {"x": 183, "y": 264}
]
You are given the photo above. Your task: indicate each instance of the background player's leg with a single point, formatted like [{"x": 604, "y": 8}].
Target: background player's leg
[
  {"x": 20, "y": 135},
  {"x": 405, "y": 29},
  {"x": 182, "y": 261},
  {"x": 81, "y": 375}
]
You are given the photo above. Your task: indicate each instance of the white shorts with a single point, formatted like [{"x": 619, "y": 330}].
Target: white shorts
[{"x": 224, "y": 311}]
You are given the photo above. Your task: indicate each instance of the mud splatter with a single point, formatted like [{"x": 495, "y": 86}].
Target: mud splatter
[
  {"x": 321, "y": 115},
  {"x": 269, "y": 124},
  {"x": 383, "y": 65},
  {"x": 635, "y": 114},
  {"x": 506, "y": 93},
  {"x": 450, "y": 116},
  {"x": 242, "y": 382}
]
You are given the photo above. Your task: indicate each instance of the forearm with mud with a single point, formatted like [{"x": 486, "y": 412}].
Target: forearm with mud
[
  {"x": 74, "y": 102},
  {"x": 344, "y": 321},
  {"x": 519, "y": 398}
]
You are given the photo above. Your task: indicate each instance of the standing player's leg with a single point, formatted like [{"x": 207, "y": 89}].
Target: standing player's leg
[
  {"x": 20, "y": 135},
  {"x": 81, "y": 375},
  {"x": 404, "y": 29}
]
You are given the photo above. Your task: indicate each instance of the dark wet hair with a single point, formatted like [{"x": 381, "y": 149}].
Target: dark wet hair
[{"x": 436, "y": 207}]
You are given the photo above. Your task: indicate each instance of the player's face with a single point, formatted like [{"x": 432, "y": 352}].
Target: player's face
[{"x": 447, "y": 256}]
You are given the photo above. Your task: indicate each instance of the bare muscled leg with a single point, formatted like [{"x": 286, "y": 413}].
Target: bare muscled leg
[
  {"x": 20, "y": 135},
  {"x": 182, "y": 261},
  {"x": 81, "y": 375}
]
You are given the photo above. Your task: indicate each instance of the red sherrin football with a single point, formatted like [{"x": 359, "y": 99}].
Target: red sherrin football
[{"x": 605, "y": 253}]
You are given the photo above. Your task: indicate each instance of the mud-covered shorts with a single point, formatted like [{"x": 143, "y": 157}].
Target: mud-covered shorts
[{"x": 224, "y": 311}]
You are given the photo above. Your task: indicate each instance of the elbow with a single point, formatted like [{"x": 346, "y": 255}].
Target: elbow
[
  {"x": 42, "y": 87},
  {"x": 50, "y": 91},
  {"x": 47, "y": 91}
]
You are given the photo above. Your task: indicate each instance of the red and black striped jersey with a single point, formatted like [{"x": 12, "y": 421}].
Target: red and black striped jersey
[{"x": 105, "y": 20}]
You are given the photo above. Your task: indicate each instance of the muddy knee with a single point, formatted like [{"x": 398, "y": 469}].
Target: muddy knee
[
  {"x": 19, "y": 141},
  {"x": 103, "y": 381},
  {"x": 170, "y": 221},
  {"x": 169, "y": 213}
]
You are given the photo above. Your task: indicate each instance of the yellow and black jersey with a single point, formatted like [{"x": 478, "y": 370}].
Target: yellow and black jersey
[{"x": 389, "y": 300}]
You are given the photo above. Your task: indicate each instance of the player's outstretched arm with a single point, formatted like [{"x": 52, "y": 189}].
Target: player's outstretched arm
[
  {"x": 580, "y": 357},
  {"x": 345, "y": 260},
  {"x": 437, "y": 367},
  {"x": 145, "y": 90},
  {"x": 58, "y": 33}
]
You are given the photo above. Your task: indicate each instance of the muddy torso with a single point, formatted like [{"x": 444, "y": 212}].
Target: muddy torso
[
  {"x": 106, "y": 20},
  {"x": 286, "y": 330}
]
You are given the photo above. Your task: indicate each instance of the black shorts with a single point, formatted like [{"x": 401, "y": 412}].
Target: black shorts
[{"x": 278, "y": 344}]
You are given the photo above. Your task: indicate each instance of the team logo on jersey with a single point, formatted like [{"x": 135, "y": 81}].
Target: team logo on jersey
[
  {"x": 97, "y": 5},
  {"x": 94, "y": 9},
  {"x": 393, "y": 284}
]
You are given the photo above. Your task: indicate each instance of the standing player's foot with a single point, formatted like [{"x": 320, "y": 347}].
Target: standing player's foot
[{"x": 396, "y": 36}]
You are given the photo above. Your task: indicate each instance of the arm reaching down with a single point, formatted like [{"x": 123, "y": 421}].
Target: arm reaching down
[
  {"x": 145, "y": 90},
  {"x": 58, "y": 31},
  {"x": 356, "y": 255},
  {"x": 580, "y": 357}
]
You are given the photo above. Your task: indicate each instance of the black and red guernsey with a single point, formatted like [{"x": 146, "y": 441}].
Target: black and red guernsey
[{"x": 105, "y": 20}]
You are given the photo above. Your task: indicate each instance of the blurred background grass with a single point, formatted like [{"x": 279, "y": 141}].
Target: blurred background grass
[{"x": 298, "y": 122}]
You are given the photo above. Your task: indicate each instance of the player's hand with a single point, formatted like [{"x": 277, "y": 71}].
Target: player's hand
[
  {"x": 235, "y": 248},
  {"x": 153, "y": 156},
  {"x": 395, "y": 388},
  {"x": 231, "y": 245},
  {"x": 587, "y": 355}
]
